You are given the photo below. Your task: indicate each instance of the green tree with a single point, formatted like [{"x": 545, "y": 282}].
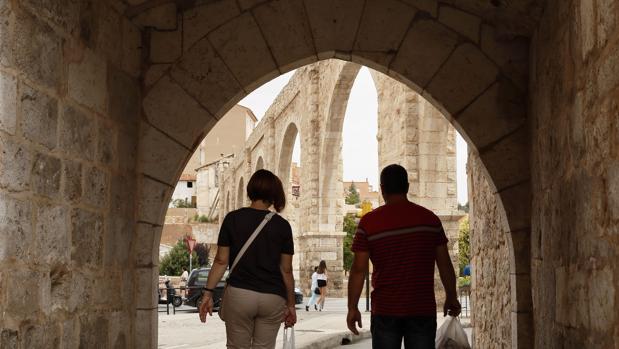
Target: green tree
[
  {"x": 352, "y": 197},
  {"x": 178, "y": 257},
  {"x": 350, "y": 226},
  {"x": 202, "y": 251},
  {"x": 464, "y": 245}
]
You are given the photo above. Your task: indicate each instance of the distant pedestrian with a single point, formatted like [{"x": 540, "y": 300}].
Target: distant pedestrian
[
  {"x": 404, "y": 241},
  {"x": 184, "y": 277},
  {"x": 260, "y": 291},
  {"x": 314, "y": 290},
  {"x": 321, "y": 280}
]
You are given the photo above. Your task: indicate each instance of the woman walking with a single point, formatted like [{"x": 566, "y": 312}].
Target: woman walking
[
  {"x": 260, "y": 291},
  {"x": 322, "y": 284},
  {"x": 314, "y": 290}
]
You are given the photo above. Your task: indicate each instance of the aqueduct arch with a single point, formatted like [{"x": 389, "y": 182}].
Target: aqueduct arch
[{"x": 101, "y": 109}]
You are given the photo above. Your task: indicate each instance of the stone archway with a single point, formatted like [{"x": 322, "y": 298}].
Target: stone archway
[
  {"x": 470, "y": 82},
  {"x": 259, "y": 164},
  {"x": 240, "y": 196},
  {"x": 285, "y": 155}
]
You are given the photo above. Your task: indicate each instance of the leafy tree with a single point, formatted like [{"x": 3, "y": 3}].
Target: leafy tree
[
  {"x": 352, "y": 197},
  {"x": 464, "y": 246},
  {"x": 178, "y": 257},
  {"x": 350, "y": 226},
  {"x": 182, "y": 203},
  {"x": 202, "y": 250},
  {"x": 366, "y": 207}
]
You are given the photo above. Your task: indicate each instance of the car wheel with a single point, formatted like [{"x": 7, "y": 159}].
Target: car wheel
[{"x": 177, "y": 301}]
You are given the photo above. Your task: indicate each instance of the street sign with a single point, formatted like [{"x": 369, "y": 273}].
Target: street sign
[{"x": 191, "y": 243}]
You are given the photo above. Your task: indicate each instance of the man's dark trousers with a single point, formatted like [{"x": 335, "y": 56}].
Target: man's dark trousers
[{"x": 418, "y": 332}]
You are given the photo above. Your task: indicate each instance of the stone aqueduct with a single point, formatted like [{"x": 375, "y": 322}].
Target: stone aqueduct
[
  {"x": 312, "y": 107},
  {"x": 103, "y": 102}
]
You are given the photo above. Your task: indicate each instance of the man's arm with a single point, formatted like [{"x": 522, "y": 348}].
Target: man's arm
[
  {"x": 448, "y": 278},
  {"x": 355, "y": 286}
]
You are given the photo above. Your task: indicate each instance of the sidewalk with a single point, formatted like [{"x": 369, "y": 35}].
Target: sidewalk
[{"x": 314, "y": 330}]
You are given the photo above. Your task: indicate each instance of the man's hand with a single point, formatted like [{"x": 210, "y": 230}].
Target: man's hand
[
  {"x": 354, "y": 316},
  {"x": 452, "y": 307},
  {"x": 290, "y": 316},
  {"x": 206, "y": 306}
]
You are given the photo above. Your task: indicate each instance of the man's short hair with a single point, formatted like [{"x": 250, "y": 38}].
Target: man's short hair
[{"x": 394, "y": 180}]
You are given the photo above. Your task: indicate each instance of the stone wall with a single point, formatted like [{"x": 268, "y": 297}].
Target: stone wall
[
  {"x": 69, "y": 107},
  {"x": 575, "y": 164},
  {"x": 490, "y": 270}
]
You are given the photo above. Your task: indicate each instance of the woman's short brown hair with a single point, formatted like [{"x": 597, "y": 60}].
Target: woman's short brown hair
[{"x": 264, "y": 185}]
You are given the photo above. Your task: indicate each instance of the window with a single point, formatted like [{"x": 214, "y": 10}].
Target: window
[{"x": 189, "y": 184}]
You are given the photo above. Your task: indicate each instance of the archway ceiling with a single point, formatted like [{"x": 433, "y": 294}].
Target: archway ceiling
[{"x": 510, "y": 17}]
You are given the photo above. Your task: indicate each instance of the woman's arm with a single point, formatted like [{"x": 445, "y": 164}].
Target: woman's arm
[
  {"x": 290, "y": 315},
  {"x": 220, "y": 264}
]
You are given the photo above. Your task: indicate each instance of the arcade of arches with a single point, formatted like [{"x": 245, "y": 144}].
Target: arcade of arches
[{"x": 103, "y": 102}]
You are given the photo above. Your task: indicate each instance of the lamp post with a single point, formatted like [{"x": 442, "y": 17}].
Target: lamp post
[{"x": 191, "y": 243}]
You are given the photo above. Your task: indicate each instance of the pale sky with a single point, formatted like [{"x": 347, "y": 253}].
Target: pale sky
[{"x": 360, "y": 147}]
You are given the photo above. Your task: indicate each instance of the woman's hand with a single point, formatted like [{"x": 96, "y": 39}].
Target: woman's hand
[
  {"x": 206, "y": 306},
  {"x": 290, "y": 316}
]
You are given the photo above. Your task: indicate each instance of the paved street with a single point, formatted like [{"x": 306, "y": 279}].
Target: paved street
[{"x": 314, "y": 330}]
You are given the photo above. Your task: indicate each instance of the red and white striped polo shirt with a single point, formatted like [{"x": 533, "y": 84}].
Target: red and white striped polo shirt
[{"x": 401, "y": 239}]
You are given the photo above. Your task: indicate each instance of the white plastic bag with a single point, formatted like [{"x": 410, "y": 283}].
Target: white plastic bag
[
  {"x": 289, "y": 338},
  {"x": 451, "y": 335}
]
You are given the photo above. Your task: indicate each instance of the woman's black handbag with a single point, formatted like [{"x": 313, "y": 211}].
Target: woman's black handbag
[{"x": 317, "y": 290}]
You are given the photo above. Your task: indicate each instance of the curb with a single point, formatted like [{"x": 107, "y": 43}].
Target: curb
[{"x": 334, "y": 340}]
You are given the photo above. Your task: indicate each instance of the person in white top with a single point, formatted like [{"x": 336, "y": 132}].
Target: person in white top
[
  {"x": 313, "y": 289},
  {"x": 321, "y": 280},
  {"x": 184, "y": 277}
]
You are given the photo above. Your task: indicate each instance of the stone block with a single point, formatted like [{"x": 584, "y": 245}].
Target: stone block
[
  {"x": 520, "y": 285},
  {"x": 16, "y": 227},
  {"x": 39, "y": 57},
  {"x": 507, "y": 160},
  {"x": 8, "y": 103},
  {"x": 383, "y": 26},
  {"x": 39, "y": 116},
  {"x": 95, "y": 191},
  {"x": 462, "y": 22},
  {"x": 86, "y": 237},
  {"x": 9, "y": 338},
  {"x": 132, "y": 48},
  {"x": 248, "y": 4},
  {"x": 241, "y": 46},
  {"x": 497, "y": 112},
  {"x": 428, "y": 6},
  {"x": 72, "y": 180},
  {"x": 289, "y": 38},
  {"x": 334, "y": 25},
  {"x": 161, "y": 157},
  {"x": 168, "y": 107},
  {"x": 607, "y": 20},
  {"x": 106, "y": 145},
  {"x": 65, "y": 14},
  {"x": 109, "y": 34},
  {"x": 517, "y": 204},
  {"x": 155, "y": 72},
  {"x": 465, "y": 75},
  {"x": 29, "y": 301},
  {"x": 153, "y": 199},
  {"x": 15, "y": 165},
  {"x": 77, "y": 134},
  {"x": 428, "y": 44},
  {"x": 587, "y": 27},
  {"x": 88, "y": 80},
  {"x": 608, "y": 72},
  {"x": 43, "y": 335},
  {"x": 124, "y": 97},
  {"x": 510, "y": 54},
  {"x": 602, "y": 291},
  {"x": 127, "y": 149},
  {"x": 166, "y": 46},
  {"x": 146, "y": 252},
  {"x": 147, "y": 277},
  {"x": 200, "y": 20},
  {"x": 93, "y": 331},
  {"x": 162, "y": 17},
  {"x": 53, "y": 239},
  {"x": 146, "y": 328},
  {"x": 119, "y": 224},
  {"x": 46, "y": 174}
]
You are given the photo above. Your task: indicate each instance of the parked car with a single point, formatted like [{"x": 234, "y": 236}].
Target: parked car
[
  {"x": 195, "y": 283},
  {"x": 197, "y": 280}
]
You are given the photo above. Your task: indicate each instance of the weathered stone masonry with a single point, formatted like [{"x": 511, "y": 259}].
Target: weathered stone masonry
[{"x": 529, "y": 84}]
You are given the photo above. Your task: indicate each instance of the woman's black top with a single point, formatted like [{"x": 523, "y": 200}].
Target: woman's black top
[{"x": 259, "y": 268}]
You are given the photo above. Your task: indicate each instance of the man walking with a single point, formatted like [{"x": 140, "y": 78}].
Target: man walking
[{"x": 403, "y": 240}]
